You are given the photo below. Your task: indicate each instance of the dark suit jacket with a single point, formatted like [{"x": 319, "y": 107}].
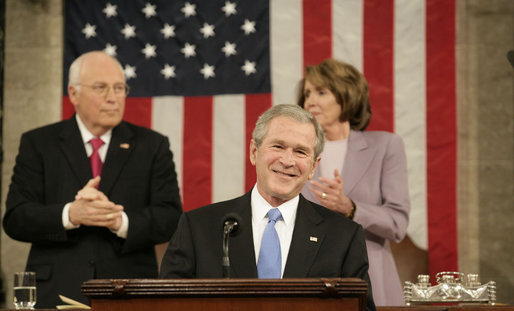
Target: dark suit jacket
[
  {"x": 51, "y": 167},
  {"x": 195, "y": 251}
]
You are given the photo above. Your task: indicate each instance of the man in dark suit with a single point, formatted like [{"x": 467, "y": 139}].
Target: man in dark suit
[
  {"x": 84, "y": 226},
  {"x": 313, "y": 241}
]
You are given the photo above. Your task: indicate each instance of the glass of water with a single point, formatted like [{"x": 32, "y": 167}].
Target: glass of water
[{"x": 24, "y": 290}]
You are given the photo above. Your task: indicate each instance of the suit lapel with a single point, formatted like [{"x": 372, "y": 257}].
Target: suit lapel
[
  {"x": 306, "y": 240},
  {"x": 242, "y": 253},
  {"x": 360, "y": 155},
  {"x": 74, "y": 151},
  {"x": 120, "y": 148}
]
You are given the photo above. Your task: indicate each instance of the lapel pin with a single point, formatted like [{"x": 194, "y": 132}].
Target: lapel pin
[
  {"x": 124, "y": 146},
  {"x": 313, "y": 239}
]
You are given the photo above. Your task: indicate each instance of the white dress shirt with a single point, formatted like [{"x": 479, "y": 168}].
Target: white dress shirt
[
  {"x": 102, "y": 152},
  {"x": 284, "y": 226}
]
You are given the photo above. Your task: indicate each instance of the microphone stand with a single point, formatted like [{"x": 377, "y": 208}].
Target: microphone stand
[{"x": 229, "y": 226}]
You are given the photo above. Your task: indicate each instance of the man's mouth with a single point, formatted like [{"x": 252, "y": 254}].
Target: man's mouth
[{"x": 284, "y": 174}]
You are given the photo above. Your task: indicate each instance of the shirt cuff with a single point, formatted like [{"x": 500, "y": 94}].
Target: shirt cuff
[
  {"x": 123, "y": 230},
  {"x": 66, "y": 223}
]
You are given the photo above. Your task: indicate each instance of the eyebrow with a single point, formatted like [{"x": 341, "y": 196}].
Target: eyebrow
[{"x": 297, "y": 146}]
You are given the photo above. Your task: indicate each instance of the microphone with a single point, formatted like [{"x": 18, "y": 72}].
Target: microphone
[{"x": 231, "y": 223}]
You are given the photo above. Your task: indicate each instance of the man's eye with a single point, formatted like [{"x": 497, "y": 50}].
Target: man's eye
[{"x": 99, "y": 88}]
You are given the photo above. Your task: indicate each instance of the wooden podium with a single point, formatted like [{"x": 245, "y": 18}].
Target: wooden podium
[{"x": 226, "y": 294}]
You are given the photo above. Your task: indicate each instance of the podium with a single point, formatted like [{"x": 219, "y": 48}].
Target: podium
[{"x": 226, "y": 294}]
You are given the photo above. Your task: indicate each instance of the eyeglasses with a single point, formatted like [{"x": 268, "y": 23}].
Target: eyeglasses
[{"x": 102, "y": 89}]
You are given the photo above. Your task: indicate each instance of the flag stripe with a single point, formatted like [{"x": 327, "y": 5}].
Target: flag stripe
[
  {"x": 317, "y": 31},
  {"x": 347, "y": 45},
  {"x": 229, "y": 147},
  {"x": 409, "y": 107},
  {"x": 378, "y": 61},
  {"x": 255, "y": 105},
  {"x": 441, "y": 136},
  {"x": 286, "y": 49},
  {"x": 138, "y": 110},
  {"x": 197, "y": 169},
  {"x": 168, "y": 119}
]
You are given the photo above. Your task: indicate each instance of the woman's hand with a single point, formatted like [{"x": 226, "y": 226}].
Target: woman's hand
[{"x": 331, "y": 195}]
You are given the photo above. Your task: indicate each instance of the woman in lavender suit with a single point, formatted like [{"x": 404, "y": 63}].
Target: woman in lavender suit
[{"x": 362, "y": 175}]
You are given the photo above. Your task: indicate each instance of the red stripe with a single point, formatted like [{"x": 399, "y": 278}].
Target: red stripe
[
  {"x": 197, "y": 152},
  {"x": 378, "y": 44},
  {"x": 317, "y": 31},
  {"x": 138, "y": 110},
  {"x": 67, "y": 108},
  {"x": 256, "y": 104},
  {"x": 441, "y": 136}
]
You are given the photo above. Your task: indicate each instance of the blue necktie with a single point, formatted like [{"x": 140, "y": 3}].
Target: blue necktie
[{"x": 269, "y": 265}]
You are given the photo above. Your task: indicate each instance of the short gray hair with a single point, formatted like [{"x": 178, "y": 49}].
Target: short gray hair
[
  {"x": 290, "y": 111},
  {"x": 76, "y": 66}
]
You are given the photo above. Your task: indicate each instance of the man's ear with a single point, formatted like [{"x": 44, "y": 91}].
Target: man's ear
[
  {"x": 253, "y": 151},
  {"x": 72, "y": 94},
  {"x": 314, "y": 167}
]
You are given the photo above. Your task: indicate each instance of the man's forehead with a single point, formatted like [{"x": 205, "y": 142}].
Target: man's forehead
[
  {"x": 100, "y": 65},
  {"x": 294, "y": 139}
]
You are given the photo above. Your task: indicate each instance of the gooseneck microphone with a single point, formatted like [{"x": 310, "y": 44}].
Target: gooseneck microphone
[{"x": 231, "y": 223}]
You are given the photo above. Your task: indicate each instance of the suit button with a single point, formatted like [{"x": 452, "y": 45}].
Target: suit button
[{"x": 91, "y": 263}]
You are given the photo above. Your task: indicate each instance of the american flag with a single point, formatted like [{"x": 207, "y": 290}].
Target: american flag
[{"x": 201, "y": 71}]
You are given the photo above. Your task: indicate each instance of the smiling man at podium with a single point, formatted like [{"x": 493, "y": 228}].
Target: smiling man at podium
[{"x": 279, "y": 233}]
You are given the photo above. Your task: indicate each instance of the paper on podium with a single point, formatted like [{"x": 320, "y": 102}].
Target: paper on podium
[{"x": 71, "y": 304}]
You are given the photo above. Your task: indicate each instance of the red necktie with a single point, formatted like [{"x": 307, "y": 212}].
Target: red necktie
[{"x": 96, "y": 162}]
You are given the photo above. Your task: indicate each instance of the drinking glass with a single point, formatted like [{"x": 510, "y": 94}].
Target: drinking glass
[{"x": 24, "y": 290}]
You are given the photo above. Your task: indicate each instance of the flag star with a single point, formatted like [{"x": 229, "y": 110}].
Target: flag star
[
  {"x": 248, "y": 27},
  {"x": 168, "y": 31},
  {"x": 189, "y": 9},
  {"x": 207, "y": 71},
  {"x": 189, "y": 50},
  {"x": 149, "y": 10},
  {"x": 248, "y": 67},
  {"x": 229, "y": 8},
  {"x": 229, "y": 49},
  {"x": 129, "y": 31},
  {"x": 207, "y": 30},
  {"x": 168, "y": 71},
  {"x": 110, "y": 49},
  {"x": 129, "y": 71},
  {"x": 110, "y": 10},
  {"x": 89, "y": 31},
  {"x": 149, "y": 51}
]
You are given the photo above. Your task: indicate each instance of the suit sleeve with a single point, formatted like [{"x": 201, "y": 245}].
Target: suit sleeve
[
  {"x": 390, "y": 219},
  {"x": 155, "y": 222},
  {"x": 27, "y": 217},
  {"x": 179, "y": 259},
  {"x": 356, "y": 263}
]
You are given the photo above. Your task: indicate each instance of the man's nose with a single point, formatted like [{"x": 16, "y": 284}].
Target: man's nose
[
  {"x": 287, "y": 158},
  {"x": 110, "y": 95}
]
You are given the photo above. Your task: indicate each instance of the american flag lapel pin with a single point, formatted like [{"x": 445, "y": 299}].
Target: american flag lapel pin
[
  {"x": 124, "y": 146},
  {"x": 313, "y": 239}
]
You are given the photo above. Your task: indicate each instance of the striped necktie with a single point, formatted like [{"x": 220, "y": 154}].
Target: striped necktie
[{"x": 96, "y": 162}]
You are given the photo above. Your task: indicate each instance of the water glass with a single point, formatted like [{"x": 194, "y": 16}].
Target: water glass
[{"x": 24, "y": 290}]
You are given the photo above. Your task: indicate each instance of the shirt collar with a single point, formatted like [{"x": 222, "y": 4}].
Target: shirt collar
[
  {"x": 86, "y": 134},
  {"x": 260, "y": 207}
]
